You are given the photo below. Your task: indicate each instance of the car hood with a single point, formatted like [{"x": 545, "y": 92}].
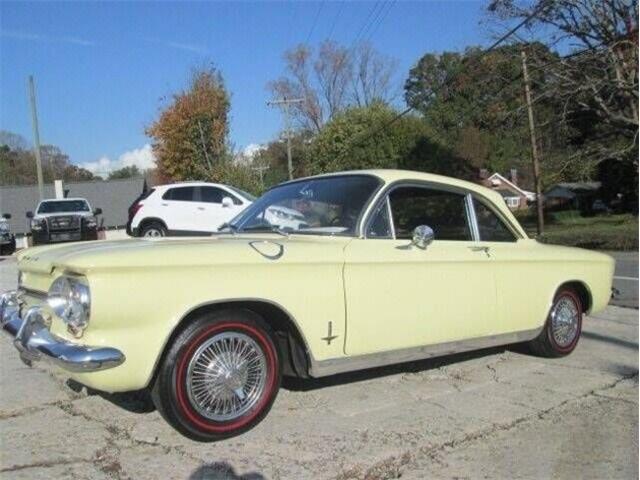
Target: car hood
[
  {"x": 224, "y": 249},
  {"x": 62, "y": 214}
]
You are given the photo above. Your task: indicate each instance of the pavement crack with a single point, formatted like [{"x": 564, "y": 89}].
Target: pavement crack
[{"x": 47, "y": 464}]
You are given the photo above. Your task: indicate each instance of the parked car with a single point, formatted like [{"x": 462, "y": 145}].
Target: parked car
[
  {"x": 179, "y": 209},
  {"x": 64, "y": 220},
  {"x": 388, "y": 266},
  {"x": 7, "y": 239}
]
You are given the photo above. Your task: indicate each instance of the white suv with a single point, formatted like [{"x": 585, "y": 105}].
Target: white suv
[{"x": 190, "y": 208}]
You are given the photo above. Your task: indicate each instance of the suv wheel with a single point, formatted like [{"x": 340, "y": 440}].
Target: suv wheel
[{"x": 153, "y": 229}]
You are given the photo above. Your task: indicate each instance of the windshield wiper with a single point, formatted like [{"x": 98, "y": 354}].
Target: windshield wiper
[{"x": 267, "y": 228}]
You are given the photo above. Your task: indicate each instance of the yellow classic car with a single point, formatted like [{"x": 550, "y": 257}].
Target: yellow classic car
[{"x": 319, "y": 276}]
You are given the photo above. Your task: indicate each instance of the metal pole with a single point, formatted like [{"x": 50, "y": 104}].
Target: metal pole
[
  {"x": 534, "y": 144},
  {"x": 285, "y": 102},
  {"x": 36, "y": 135}
]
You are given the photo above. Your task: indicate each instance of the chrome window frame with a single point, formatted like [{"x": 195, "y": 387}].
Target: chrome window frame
[
  {"x": 384, "y": 197},
  {"x": 487, "y": 203}
]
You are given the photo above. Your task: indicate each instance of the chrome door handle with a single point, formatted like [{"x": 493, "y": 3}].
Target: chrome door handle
[
  {"x": 164, "y": 204},
  {"x": 486, "y": 250},
  {"x": 200, "y": 208}
]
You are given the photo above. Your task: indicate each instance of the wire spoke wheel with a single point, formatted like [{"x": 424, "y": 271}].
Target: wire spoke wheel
[
  {"x": 565, "y": 319},
  {"x": 226, "y": 376}
]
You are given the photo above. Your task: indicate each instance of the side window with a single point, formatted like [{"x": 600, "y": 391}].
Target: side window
[
  {"x": 211, "y": 195},
  {"x": 380, "y": 226},
  {"x": 491, "y": 227},
  {"x": 181, "y": 194},
  {"x": 445, "y": 212}
]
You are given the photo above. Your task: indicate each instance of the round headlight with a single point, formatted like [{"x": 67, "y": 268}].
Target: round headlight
[{"x": 70, "y": 299}]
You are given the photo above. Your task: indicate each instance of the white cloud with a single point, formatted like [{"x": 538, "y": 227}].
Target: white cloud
[
  {"x": 142, "y": 158},
  {"x": 35, "y": 37},
  {"x": 252, "y": 149}
]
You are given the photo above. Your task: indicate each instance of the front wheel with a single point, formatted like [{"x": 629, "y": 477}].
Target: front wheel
[
  {"x": 561, "y": 332},
  {"x": 220, "y": 376}
]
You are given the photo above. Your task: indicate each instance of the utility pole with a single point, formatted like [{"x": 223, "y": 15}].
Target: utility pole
[
  {"x": 36, "y": 135},
  {"x": 534, "y": 145},
  {"x": 261, "y": 169},
  {"x": 285, "y": 103}
]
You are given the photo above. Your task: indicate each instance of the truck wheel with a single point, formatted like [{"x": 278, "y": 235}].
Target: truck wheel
[
  {"x": 561, "y": 332},
  {"x": 153, "y": 229},
  {"x": 219, "y": 377}
]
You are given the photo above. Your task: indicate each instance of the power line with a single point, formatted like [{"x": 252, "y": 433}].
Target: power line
[
  {"x": 315, "y": 22},
  {"x": 335, "y": 20},
  {"x": 366, "y": 22},
  {"x": 389, "y": 5}
]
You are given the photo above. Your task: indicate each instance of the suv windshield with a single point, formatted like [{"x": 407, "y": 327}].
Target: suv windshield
[
  {"x": 63, "y": 206},
  {"x": 327, "y": 206}
]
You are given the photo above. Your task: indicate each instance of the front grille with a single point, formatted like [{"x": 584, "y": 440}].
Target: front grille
[{"x": 66, "y": 223}]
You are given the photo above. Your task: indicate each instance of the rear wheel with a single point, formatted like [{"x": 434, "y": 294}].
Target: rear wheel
[
  {"x": 220, "y": 376},
  {"x": 153, "y": 229},
  {"x": 562, "y": 330}
]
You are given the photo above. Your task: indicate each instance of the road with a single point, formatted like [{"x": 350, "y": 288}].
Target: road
[
  {"x": 498, "y": 413},
  {"x": 625, "y": 279}
]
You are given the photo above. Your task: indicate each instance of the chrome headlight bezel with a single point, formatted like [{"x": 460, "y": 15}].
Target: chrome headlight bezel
[{"x": 69, "y": 298}]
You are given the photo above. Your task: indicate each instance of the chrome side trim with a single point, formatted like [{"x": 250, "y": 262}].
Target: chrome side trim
[{"x": 334, "y": 366}]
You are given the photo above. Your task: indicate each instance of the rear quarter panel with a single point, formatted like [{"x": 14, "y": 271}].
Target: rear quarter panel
[{"x": 528, "y": 275}]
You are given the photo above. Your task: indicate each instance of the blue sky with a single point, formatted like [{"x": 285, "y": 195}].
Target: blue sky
[{"x": 101, "y": 69}]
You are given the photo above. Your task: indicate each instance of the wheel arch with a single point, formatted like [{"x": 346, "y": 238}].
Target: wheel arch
[
  {"x": 148, "y": 220},
  {"x": 582, "y": 290},
  {"x": 290, "y": 341}
]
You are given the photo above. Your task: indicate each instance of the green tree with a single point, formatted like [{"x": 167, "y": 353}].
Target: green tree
[
  {"x": 368, "y": 137},
  {"x": 125, "y": 172},
  {"x": 191, "y": 134},
  {"x": 474, "y": 103}
]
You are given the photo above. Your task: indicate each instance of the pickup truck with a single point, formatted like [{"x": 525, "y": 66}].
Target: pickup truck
[{"x": 63, "y": 220}]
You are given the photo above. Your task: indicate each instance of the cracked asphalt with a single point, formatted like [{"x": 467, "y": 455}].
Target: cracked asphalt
[{"x": 497, "y": 413}]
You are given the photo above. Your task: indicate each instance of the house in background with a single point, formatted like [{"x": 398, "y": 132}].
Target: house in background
[
  {"x": 514, "y": 196},
  {"x": 575, "y": 195}
]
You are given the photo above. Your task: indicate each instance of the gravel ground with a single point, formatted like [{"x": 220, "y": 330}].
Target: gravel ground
[{"x": 497, "y": 413}]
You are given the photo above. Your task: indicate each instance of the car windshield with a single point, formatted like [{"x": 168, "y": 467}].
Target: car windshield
[
  {"x": 325, "y": 206},
  {"x": 244, "y": 194},
  {"x": 63, "y": 206}
]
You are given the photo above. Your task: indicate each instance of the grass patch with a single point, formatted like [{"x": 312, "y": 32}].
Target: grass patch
[{"x": 606, "y": 232}]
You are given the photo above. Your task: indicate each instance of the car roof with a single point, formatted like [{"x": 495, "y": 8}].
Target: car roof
[
  {"x": 394, "y": 175},
  {"x": 63, "y": 199},
  {"x": 191, "y": 184}
]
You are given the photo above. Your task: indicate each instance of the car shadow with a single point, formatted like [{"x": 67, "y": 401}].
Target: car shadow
[
  {"x": 222, "y": 471},
  {"x": 417, "y": 366},
  {"x": 139, "y": 401}
]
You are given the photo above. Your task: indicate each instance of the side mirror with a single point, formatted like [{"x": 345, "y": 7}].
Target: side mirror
[
  {"x": 97, "y": 211},
  {"x": 227, "y": 202},
  {"x": 422, "y": 236},
  {"x": 6, "y": 216},
  {"x": 29, "y": 214}
]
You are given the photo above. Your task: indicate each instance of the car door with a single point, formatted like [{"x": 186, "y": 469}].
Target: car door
[
  {"x": 522, "y": 303},
  {"x": 401, "y": 296},
  {"x": 214, "y": 210},
  {"x": 178, "y": 208}
]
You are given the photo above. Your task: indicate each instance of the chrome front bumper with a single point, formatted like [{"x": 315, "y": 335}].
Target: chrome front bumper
[{"x": 29, "y": 328}]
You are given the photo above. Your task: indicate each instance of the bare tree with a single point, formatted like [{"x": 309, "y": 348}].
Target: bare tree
[
  {"x": 372, "y": 77},
  {"x": 335, "y": 78}
]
